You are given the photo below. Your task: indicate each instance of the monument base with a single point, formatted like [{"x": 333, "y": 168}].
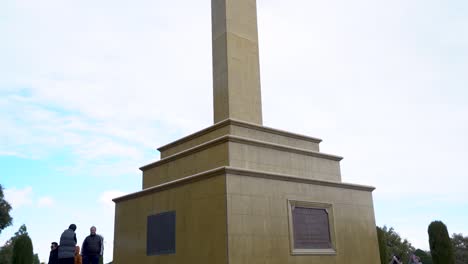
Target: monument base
[{"x": 242, "y": 193}]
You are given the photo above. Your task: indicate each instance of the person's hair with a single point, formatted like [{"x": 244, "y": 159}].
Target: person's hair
[
  {"x": 72, "y": 227},
  {"x": 55, "y": 244}
]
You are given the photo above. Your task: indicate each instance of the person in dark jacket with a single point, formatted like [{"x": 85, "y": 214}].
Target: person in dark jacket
[
  {"x": 92, "y": 248},
  {"x": 53, "y": 257},
  {"x": 66, "y": 251}
]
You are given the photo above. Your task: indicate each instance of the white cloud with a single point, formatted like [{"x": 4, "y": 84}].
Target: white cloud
[
  {"x": 12, "y": 153},
  {"x": 19, "y": 197},
  {"x": 107, "y": 196},
  {"x": 25, "y": 197},
  {"x": 45, "y": 202}
]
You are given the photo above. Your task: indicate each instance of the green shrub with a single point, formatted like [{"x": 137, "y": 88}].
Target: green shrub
[
  {"x": 36, "y": 259},
  {"x": 424, "y": 256},
  {"x": 396, "y": 245},
  {"x": 440, "y": 244},
  {"x": 22, "y": 250},
  {"x": 382, "y": 245}
]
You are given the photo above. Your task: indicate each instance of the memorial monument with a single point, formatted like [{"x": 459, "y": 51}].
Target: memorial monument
[{"x": 238, "y": 192}]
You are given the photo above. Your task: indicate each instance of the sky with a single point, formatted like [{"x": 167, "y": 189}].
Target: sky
[{"x": 90, "y": 89}]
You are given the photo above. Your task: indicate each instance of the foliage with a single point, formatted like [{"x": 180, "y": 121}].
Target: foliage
[
  {"x": 36, "y": 259},
  {"x": 21, "y": 231},
  {"x": 5, "y": 207},
  {"x": 460, "y": 246},
  {"x": 382, "y": 245},
  {"x": 424, "y": 256},
  {"x": 22, "y": 250},
  {"x": 101, "y": 260},
  {"x": 396, "y": 245},
  {"x": 440, "y": 244},
  {"x": 6, "y": 252}
]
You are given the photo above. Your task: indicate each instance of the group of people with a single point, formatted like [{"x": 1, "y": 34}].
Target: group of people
[
  {"x": 67, "y": 252},
  {"x": 412, "y": 260}
]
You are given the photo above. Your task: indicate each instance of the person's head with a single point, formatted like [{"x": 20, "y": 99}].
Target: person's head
[
  {"x": 92, "y": 230},
  {"x": 77, "y": 250},
  {"x": 72, "y": 227},
  {"x": 53, "y": 246}
]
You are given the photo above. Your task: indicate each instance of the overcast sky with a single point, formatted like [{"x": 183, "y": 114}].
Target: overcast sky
[{"x": 90, "y": 89}]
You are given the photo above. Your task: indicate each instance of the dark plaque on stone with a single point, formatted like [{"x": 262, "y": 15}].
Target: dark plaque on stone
[
  {"x": 311, "y": 228},
  {"x": 160, "y": 235}
]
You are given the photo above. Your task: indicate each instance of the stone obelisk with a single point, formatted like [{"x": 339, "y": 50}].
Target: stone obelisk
[
  {"x": 239, "y": 192},
  {"x": 236, "y": 70}
]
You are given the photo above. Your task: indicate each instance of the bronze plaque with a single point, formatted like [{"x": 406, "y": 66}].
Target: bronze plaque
[{"x": 311, "y": 228}]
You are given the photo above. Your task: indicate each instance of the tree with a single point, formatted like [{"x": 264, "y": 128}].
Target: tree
[
  {"x": 424, "y": 256},
  {"x": 5, "y": 218},
  {"x": 396, "y": 245},
  {"x": 21, "y": 231},
  {"x": 460, "y": 246},
  {"x": 382, "y": 245},
  {"x": 440, "y": 244},
  {"x": 36, "y": 259},
  {"x": 6, "y": 252},
  {"x": 22, "y": 250}
]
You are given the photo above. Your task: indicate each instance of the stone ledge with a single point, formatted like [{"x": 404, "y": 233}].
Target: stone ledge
[
  {"x": 285, "y": 177},
  {"x": 241, "y": 172},
  {"x": 227, "y": 122},
  {"x": 259, "y": 143},
  {"x": 242, "y": 140}
]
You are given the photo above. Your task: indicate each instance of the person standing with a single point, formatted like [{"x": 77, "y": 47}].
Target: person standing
[
  {"x": 66, "y": 250},
  {"x": 92, "y": 248},
  {"x": 414, "y": 259},
  {"x": 78, "y": 258},
  {"x": 53, "y": 257},
  {"x": 396, "y": 260}
]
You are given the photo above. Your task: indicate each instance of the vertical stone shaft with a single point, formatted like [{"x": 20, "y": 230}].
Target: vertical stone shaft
[{"x": 236, "y": 70}]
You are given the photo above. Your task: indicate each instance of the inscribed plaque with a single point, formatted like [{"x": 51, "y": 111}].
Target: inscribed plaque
[
  {"x": 160, "y": 236},
  {"x": 311, "y": 228}
]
